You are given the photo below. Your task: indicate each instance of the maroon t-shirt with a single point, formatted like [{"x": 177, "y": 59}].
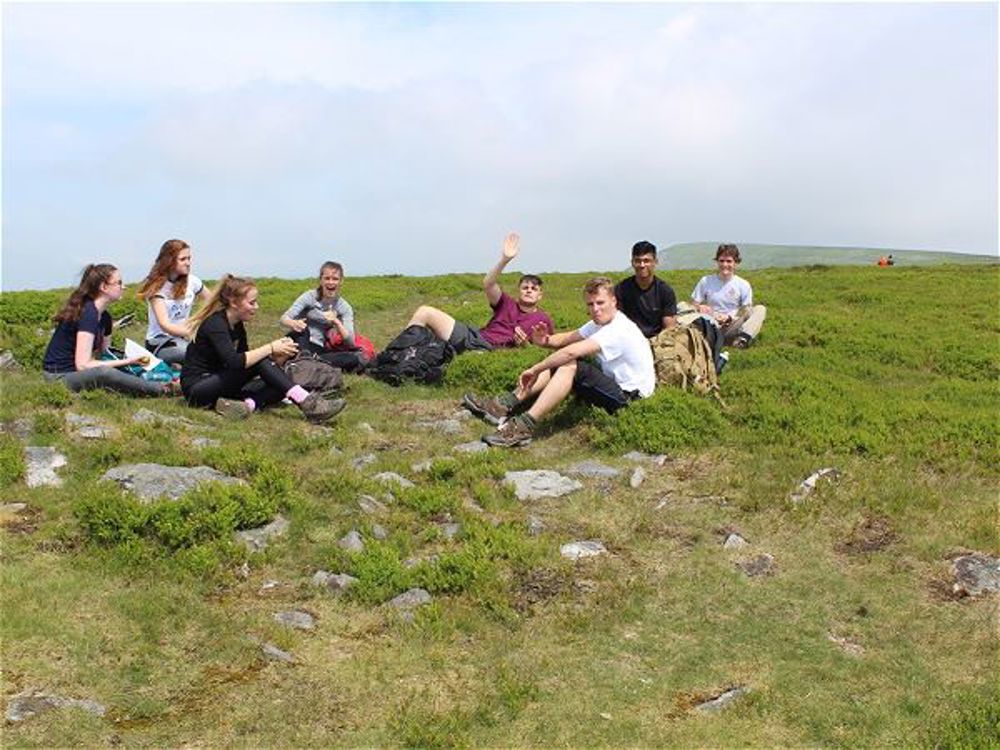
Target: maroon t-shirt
[{"x": 507, "y": 316}]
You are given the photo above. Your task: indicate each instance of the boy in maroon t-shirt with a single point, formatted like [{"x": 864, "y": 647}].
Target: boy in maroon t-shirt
[{"x": 512, "y": 319}]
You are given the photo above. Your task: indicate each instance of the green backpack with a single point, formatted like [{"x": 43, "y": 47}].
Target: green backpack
[{"x": 683, "y": 359}]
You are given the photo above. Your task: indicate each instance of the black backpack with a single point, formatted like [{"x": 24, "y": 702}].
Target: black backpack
[{"x": 415, "y": 354}]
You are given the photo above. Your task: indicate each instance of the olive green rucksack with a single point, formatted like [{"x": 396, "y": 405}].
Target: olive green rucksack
[{"x": 683, "y": 359}]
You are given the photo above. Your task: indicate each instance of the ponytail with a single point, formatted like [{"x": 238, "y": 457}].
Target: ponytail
[
  {"x": 93, "y": 276},
  {"x": 230, "y": 289}
]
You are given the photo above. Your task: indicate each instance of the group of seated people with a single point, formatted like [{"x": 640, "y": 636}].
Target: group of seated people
[{"x": 607, "y": 362}]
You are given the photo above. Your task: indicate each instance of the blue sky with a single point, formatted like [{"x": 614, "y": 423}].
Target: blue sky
[{"x": 410, "y": 138}]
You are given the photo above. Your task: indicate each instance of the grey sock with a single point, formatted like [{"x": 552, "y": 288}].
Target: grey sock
[{"x": 508, "y": 400}]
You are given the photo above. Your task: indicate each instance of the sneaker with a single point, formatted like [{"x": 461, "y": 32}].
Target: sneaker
[
  {"x": 510, "y": 434},
  {"x": 318, "y": 409},
  {"x": 488, "y": 409},
  {"x": 232, "y": 409},
  {"x": 742, "y": 341}
]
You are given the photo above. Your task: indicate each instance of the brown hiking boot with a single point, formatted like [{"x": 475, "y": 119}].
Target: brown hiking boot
[
  {"x": 318, "y": 409},
  {"x": 488, "y": 409},
  {"x": 510, "y": 434},
  {"x": 231, "y": 408}
]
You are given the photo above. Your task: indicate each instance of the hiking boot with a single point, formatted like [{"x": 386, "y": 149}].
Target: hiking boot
[
  {"x": 488, "y": 409},
  {"x": 510, "y": 434},
  {"x": 318, "y": 409},
  {"x": 742, "y": 341},
  {"x": 232, "y": 409}
]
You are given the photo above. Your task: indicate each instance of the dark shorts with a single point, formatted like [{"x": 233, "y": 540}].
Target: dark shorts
[
  {"x": 593, "y": 386},
  {"x": 465, "y": 339}
]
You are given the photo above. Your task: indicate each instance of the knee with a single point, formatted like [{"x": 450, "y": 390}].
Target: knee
[{"x": 424, "y": 312}]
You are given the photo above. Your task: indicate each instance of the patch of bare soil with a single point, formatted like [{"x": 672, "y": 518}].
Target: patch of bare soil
[
  {"x": 536, "y": 587},
  {"x": 872, "y": 534}
]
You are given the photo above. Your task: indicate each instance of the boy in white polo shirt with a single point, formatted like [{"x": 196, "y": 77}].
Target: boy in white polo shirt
[
  {"x": 626, "y": 370},
  {"x": 728, "y": 299}
]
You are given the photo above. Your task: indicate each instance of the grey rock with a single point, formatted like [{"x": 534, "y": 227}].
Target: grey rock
[
  {"x": 462, "y": 415},
  {"x": 153, "y": 481},
  {"x": 380, "y": 532},
  {"x": 363, "y": 460},
  {"x": 258, "y": 539},
  {"x": 535, "y": 525},
  {"x": 663, "y": 503},
  {"x": 587, "y": 548},
  {"x": 352, "y": 541},
  {"x": 269, "y": 585},
  {"x": 449, "y": 530},
  {"x": 444, "y": 426},
  {"x": 846, "y": 645},
  {"x": 593, "y": 469},
  {"x": 808, "y": 484},
  {"x": 12, "y": 509},
  {"x": 762, "y": 565},
  {"x": 537, "y": 484},
  {"x": 722, "y": 700},
  {"x": 30, "y": 703},
  {"x": 370, "y": 505},
  {"x": 365, "y": 427},
  {"x": 41, "y": 465},
  {"x": 422, "y": 466},
  {"x": 734, "y": 541},
  {"x": 475, "y": 446},
  {"x": 147, "y": 416},
  {"x": 637, "y": 478},
  {"x": 391, "y": 477},
  {"x": 88, "y": 427},
  {"x": 976, "y": 574},
  {"x": 204, "y": 442},
  {"x": 8, "y": 361},
  {"x": 296, "y": 619},
  {"x": 243, "y": 572},
  {"x": 640, "y": 458},
  {"x": 276, "y": 654},
  {"x": 333, "y": 582},
  {"x": 20, "y": 428},
  {"x": 410, "y": 599}
]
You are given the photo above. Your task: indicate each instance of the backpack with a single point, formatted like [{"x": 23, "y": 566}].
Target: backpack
[
  {"x": 362, "y": 344},
  {"x": 415, "y": 354},
  {"x": 312, "y": 373},
  {"x": 683, "y": 358}
]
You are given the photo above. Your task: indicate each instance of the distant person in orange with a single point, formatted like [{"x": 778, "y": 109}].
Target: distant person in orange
[{"x": 884, "y": 261}]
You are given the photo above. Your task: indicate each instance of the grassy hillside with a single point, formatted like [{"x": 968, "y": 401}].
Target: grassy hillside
[
  {"x": 700, "y": 254},
  {"x": 889, "y": 375}
]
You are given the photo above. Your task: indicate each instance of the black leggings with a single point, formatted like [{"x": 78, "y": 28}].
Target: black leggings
[
  {"x": 348, "y": 361},
  {"x": 265, "y": 383}
]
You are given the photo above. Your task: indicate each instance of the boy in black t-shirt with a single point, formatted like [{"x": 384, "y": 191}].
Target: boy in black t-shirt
[{"x": 648, "y": 301}]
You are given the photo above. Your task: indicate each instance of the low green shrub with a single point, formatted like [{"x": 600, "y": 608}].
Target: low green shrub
[
  {"x": 430, "y": 500},
  {"x": 380, "y": 573},
  {"x": 668, "y": 420},
  {"x": 493, "y": 372}
]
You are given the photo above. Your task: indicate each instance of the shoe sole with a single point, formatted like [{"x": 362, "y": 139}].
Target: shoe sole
[
  {"x": 327, "y": 417},
  {"x": 232, "y": 410},
  {"x": 516, "y": 444},
  {"x": 469, "y": 404}
]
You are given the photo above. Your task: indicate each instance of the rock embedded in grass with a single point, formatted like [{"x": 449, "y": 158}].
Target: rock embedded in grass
[
  {"x": 762, "y": 565},
  {"x": 363, "y": 460},
  {"x": 734, "y": 541},
  {"x": 808, "y": 485},
  {"x": 40, "y": 466},
  {"x": 276, "y": 654},
  {"x": 586, "y": 548},
  {"x": 535, "y": 525},
  {"x": 380, "y": 532},
  {"x": 370, "y": 505},
  {"x": 204, "y": 442},
  {"x": 257, "y": 539},
  {"x": 411, "y": 599},
  {"x": 153, "y": 481},
  {"x": 8, "y": 361},
  {"x": 352, "y": 541},
  {"x": 30, "y": 703},
  {"x": 475, "y": 446},
  {"x": 594, "y": 469},
  {"x": 443, "y": 426},
  {"x": 723, "y": 700},
  {"x": 391, "y": 477},
  {"x": 336, "y": 583},
  {"x": 541, "y": 483},
  {"x": 637, "y": 478},
  {"x": 296, "y": 619},
  {"x": 639, "y": 457},
  {"x": 87, "y": 427},
  {"x": 976, "y": 574},
  {"x": 21, "y": 428}
]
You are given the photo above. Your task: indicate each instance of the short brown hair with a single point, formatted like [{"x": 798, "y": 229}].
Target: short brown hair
[
  {"x": 598, "y": 283},
  {"x": 730, "y": 251}
]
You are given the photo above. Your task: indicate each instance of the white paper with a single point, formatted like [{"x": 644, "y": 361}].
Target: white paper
[{"x": 132, "y": 349}]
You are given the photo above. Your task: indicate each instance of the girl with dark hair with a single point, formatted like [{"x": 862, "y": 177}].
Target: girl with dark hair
[
  {"x": 320, "y": 312},
  {"x": 83, "y": 330},
  {"x": 221, "y": 370},
  {"x": 169, "y": 291}
]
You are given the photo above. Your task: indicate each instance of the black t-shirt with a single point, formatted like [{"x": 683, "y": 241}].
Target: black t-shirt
[
  {"x": 60, "y": 355},
  {"x": 646, "y": 308},
  {"x": 215, "y": 348}
]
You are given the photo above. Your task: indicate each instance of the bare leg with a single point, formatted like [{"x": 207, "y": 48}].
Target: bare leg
[
  {"x": 441, "y": 323},
  {"x": 555, "y": 390}
]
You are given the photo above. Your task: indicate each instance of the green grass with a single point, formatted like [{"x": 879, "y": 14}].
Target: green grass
[{"x": 890, "y": 377}]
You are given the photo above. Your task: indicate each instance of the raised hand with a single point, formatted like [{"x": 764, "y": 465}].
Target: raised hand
[{"x": 511, "y": 246}]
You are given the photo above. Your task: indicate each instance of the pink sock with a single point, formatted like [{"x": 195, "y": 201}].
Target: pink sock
[
  {"x": 250, "y": 404},
  {"x": 297, "y": 394}
]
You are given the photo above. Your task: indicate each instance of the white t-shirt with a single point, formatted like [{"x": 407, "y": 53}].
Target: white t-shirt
[
  {"x": 624, "y": 355},
  {"x": 726, "y": 297},
  {"x": 178, "y": 310}
]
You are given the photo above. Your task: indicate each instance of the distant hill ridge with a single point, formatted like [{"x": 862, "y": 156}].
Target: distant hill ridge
[{"x": 700, "y": 255}]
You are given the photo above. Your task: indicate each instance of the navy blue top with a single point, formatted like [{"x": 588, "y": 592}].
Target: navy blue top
[{"x": 60, "y": 355}]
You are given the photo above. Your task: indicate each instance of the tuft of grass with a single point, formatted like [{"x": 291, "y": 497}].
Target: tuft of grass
[{"x": 12, "y": 467}]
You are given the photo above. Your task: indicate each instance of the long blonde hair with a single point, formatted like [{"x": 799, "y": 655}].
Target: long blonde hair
[{"x": 230, "y": 289}]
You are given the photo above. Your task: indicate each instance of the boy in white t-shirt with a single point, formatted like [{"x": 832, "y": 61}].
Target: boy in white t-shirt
[
  {"x": 626, "y": 370},
  {"x": 728, "y": 299}
]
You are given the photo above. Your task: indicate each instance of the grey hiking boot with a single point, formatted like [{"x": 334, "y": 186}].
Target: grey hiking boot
[
  {"x": 510, "y": 434},
  {"x": 318, "y": 409},
  {"x": 487, "y": 409},
  {"x": 231, "y": 408}
]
